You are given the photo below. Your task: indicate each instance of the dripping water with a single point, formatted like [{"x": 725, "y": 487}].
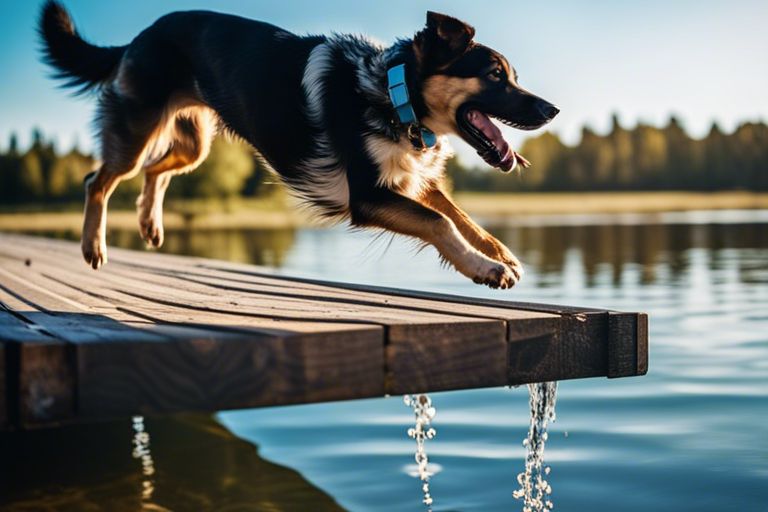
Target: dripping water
[
  {"x": 422, "y": 430},
  {"x": 534, "y": 489}
]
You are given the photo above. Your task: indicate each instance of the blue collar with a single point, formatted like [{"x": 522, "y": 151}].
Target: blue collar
[{"x": 421, "y": 137}]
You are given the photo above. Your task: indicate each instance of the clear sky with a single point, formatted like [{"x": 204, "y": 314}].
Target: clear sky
[{"x": 645, "y": 59}]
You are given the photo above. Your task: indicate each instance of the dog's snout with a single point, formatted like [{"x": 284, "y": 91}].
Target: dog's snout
[{"x": 548, "y": 110}]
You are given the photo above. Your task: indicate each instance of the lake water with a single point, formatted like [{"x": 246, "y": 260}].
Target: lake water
[{"x": 692, "y": 435}]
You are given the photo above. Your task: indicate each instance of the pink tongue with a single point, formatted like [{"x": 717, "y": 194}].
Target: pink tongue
[{"x": 490, "y": 130}]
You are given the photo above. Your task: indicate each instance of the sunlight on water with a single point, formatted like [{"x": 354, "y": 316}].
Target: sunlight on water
[
  {"x": 423, "y": 412},
  {"x": 534, "y": 488}
]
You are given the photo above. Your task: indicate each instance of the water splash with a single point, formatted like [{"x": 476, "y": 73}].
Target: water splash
[
  {"x": 423, "y": 412},
  {"x": 534, "y": 489},
  {"x": 141, "y": 452}
]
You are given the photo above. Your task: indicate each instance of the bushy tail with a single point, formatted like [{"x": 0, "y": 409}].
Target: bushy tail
[{"x": 83, "y": 65}]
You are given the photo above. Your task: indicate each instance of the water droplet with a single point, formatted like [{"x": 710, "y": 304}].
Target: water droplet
[{"x": 423, "y": 414}]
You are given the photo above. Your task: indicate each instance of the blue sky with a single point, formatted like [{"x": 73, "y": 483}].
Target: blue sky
[{"x": 701, "y": 60}]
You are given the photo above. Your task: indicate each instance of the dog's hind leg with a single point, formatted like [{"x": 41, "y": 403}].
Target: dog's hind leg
[
  {"x": 126, "y": 129},
  {"x": 191, "y": 134}
]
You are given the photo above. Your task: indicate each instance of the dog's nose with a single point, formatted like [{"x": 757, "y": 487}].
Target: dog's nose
[
  {"x": 548, "y": 110},
  {"x": 553, "y": 111}
]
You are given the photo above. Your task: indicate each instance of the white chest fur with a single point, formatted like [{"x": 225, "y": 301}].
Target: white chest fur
[{"x": 404, "y": 169}]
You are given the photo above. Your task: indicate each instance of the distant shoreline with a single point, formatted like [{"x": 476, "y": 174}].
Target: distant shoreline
[
  {"x": 491, "y": 207},
  {"x": 501, "y": 205}
]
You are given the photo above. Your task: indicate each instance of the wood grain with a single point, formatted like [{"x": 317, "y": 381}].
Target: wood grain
[
  {"x": 155, "y": 333},
  {"x": 627, "y": 344},
  {"x": 447, "y": 356},
  {"x": 40, "y": 383}
]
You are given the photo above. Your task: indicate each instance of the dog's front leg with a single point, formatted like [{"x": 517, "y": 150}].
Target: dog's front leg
[
  {"x": 386, "y": 209},
  {"x": 479, "y": 238}
]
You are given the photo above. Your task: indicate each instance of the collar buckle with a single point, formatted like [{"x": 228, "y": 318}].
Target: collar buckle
[{"x": 420, "y": 136}]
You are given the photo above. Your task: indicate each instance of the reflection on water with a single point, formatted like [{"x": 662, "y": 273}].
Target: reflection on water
[
  {"x": 261, "y": 247},
  {"x": 607, "y": 253},
  {"x": 689, "y": 436},
  {"x": 613, "y": 252},
  {"x": 257, "y": 246},
  {"x": 142, "y": 452},
  {"x": 197, "y": 465}
]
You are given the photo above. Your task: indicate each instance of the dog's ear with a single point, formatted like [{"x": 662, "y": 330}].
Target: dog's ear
[{"x": 443, "y": 40}]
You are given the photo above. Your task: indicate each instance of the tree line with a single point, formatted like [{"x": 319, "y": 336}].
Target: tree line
[
  {"x": 641, "y": 158},
  {"x": 42, "y": 175}
]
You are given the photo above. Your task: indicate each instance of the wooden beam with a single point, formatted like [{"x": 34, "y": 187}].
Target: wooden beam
[
  {"x": 154, "y": 333},
  {"x": 627, "y": 344},
  {"x": 40, "y": 383}
]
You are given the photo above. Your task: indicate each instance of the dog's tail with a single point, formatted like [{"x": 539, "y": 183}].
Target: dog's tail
[{"x": 82, "y": 65}]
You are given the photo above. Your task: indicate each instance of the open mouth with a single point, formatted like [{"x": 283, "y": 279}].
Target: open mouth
[{"x": 486, "y": 138}]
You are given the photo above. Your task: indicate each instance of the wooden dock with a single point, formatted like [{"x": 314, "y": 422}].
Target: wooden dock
[{"x": 153, "y": 333}]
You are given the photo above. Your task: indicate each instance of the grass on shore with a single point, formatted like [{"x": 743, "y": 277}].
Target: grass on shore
[
  {"x": 502, "y": 205},
  {"x": 277, "y": 212}
]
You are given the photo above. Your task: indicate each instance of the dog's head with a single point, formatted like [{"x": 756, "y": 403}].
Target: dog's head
[{"x": 464, "y": 84}]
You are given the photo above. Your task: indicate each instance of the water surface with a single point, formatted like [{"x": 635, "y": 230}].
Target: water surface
[{"x": 691, "y": 435}]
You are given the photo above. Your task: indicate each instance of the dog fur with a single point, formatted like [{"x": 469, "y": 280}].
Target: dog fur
[{"x": 317, "y": 110}]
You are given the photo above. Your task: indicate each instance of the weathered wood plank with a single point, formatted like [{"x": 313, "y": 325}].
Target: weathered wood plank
[
  {"x": 38, "y": 372},
  {"x": 642, "y": 344},
  {"x": 417, "y": 340},
  {"x": 397, "y": 292},
  {"x": 276, "y": 286},
  {"x": 155, "y": 261},
  {"x": 627, "y": 344},
  {"x": 170, "y": 291},
  {"x": 570, "y": 347},
  {"x": 159, "y": 333},
  {"x": 283, "y": 363},
  {"x": 215, "y": 374},
  {"x": 445, "y": 357}
]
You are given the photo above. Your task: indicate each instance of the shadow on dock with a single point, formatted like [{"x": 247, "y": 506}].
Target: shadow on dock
[{"x": 199, "y": 465}]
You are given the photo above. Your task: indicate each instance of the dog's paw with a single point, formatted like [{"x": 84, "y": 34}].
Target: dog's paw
[
  {"x": 499, "y": 275},
  {"x": 94, "y": 252},
  {"x": 514, "y": 266},
  {"x": 151, "y": 232}
]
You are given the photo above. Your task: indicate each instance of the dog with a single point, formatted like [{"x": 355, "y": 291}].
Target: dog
[{"x": 357, "y": 130}]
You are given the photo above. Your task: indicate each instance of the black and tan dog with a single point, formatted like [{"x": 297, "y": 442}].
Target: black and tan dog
[{"x": 357, "y": 130}]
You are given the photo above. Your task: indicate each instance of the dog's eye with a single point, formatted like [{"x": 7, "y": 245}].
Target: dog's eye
[{"x": 496, "y": 74}]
